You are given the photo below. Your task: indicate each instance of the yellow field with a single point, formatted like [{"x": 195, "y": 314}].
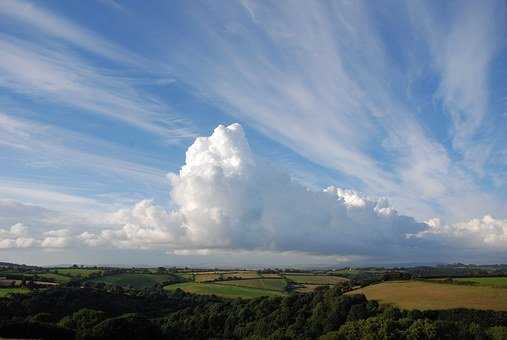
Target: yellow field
[
  {"x": 205, "y": 277},
  {"x": 241, "y": 274},
  {"x": 427, "y": 295}
]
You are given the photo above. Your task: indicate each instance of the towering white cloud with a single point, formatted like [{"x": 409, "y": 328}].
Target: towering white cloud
[{"x": 224, "y": 197}]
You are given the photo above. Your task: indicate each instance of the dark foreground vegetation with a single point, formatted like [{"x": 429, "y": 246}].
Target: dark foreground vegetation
[{"x": 90, "y": 313}]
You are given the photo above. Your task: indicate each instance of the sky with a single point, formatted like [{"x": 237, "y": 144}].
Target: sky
[{"x": 247, "y": 133}]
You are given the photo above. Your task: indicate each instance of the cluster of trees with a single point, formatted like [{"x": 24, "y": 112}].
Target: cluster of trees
[{"x": 327, "y": 314}]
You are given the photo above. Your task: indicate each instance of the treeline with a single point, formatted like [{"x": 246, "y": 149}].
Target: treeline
[{"x": 92, "y": 314}]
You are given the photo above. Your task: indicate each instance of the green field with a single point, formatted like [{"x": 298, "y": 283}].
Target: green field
[
  {"x": 74, "y": 272},
  {"x": 269, "y": 284},
  {"x": 485, "y": 281},
  {"x": 54, "y": 277},
  {"x": 134, "y": 280},
  {"x": 316, "y": 279},
  {"x": 428, "y": 295},
  {"x": 40, "y": 276},
  {"x": 185, "y": 276},
  {"x": 227, "y": 291},
  {"x": 306, "y": 288},
  {"x": 6, "y": 291}
]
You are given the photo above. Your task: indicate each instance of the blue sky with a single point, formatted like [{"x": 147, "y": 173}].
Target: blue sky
[{"x": 100, "y": 100}]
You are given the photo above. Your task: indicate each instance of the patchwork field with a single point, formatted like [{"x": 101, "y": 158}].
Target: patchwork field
[
  {"x": 316, "y": 279},
  {"x": 306, "y": 288},
  {"x": 206, "y": 277},
  {"x": 39, "y": 276},
  {"x": 227, "y": 291},
  {"x": 485, "y": 281},
  {"x": 428, "y": 295},
  {"x": 134, "y": 280},
  {"x": 56, "y": 277},
  {"x": 267, "y": 284},
  {"x": 6, "y": 291},
  {"x": 242, "y": 274},
  {"x": 74, "y": 272}
]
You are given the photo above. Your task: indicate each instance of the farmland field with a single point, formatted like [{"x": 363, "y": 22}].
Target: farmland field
[
  {"x": 227, "y": 291},
  {"x": 206, "y": 277},
  {"x": 268, "y": 284},
  {"x": 40, "y": 276},
  {"x": 306, "y": 288},
  {"x": 134, "y": 280},
  {"x": 242, "y": 274},
  {"x": 316, "y": 279},
  {"x": 56, "y": 277},
  {"x": 427, "y": 295},
  {"x": 269, "y": 275},
  {"x": 82, "y": 272},
  {"x": 185, "y": 276},
  {"x": 6, "y": 291},
  {"x": 485, "y": 281}
]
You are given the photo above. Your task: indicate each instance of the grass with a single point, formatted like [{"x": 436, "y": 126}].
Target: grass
[
  {"x": 306, "y": 288},
  {"x": 485, "y": 281},
  {"x": 428, "y": 295},
  {"x": 227, "y": 291},
  {"x": 267, "y": 284},
  {"x": 185, "y": 276},
  {"x": 55, "y": 277},
  {"x": 6, "y": 291},
  {"x": 61, "y": 279},
  {"x": 74, "y": 272},
  {"x": 316, "y": 279},
  {"x": 271, "y": 275},
  {"x": 134, "y": 280}
]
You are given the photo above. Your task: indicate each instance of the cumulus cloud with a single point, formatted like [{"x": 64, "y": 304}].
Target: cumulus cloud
[
  {"x": 59, "y": 238},
  {"x": 21, "y": 236},
  {"x": 480, "y": 233},
  {"x": 16, "y": 237},
  {"x": 224, "y": 197}
]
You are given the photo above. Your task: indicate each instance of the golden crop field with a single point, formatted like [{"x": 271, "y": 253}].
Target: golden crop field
[
  {"x": 428, "y": 295},
  {"x": 241, "y": 274},
  {"x": 206, "y": 277}
]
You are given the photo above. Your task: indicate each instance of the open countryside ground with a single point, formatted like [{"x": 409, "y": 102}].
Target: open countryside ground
[
  {"x": 485, "y": 281},
  {"x": 55, "y": 277},
  {"x": 206, "y": 277},
  {"x": 269, "y": 284},
  {"x": 227, "y": 291},
  {"x": 306, "y": 288},
  {"x": 316, "y": 279},
  {"x": 134, "y": 280},
  {"x": 428, "y": 295},
  {"x": 82, "y": 272},
  {"x": 38, "y": 276},
  {"x": 6, "y": 291},
  {"x": 242, "y": 274}
]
